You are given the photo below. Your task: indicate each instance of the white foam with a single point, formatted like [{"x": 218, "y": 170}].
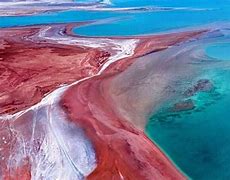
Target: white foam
[{"x": 109, "y": 2}]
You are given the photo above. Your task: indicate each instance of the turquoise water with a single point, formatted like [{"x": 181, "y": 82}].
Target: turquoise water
[
  {"x": 152, "y": 22},
  {"x": 219, "y": 51},
  {"x": 197, "y": 13},
  {"x": 55, "y": 17},
  {"x": 198, "y": 141}
]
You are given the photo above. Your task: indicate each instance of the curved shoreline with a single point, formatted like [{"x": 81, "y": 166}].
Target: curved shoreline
[{"x": 125, "y": 134}]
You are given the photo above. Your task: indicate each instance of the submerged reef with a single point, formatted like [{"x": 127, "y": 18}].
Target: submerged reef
[
  {"x": 203, "y": 85},
  {"x": 109, "y": 89},
  {"x": 83, "y": 112}
]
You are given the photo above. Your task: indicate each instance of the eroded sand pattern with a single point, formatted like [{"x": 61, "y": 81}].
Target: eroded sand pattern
[{"x": 79, "y": 107}]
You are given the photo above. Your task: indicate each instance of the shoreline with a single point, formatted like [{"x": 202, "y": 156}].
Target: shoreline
[{"x": 115, "y": 67}]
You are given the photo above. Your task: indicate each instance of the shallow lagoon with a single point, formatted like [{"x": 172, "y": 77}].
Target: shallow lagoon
[
  {"x": 133, "y": 22},
  {"x": 219, "y": 51},
  {"x": 198, "y": 140}
]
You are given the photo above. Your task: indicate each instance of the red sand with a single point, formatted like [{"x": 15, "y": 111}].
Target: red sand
[
  {"x": 11, "y": 132},
  {"x": 150, "y": 44},
  {"x": 123, "y": 151},
  {"x": 30, "y": 70}
]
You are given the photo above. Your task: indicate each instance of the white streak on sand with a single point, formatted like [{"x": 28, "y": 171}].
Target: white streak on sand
[
  {"x": 120, "y": 48},
  {"x": 65, "y": 152}
]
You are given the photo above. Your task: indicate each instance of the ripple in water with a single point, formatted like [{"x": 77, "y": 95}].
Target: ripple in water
[{"x": 219, "y": 51}]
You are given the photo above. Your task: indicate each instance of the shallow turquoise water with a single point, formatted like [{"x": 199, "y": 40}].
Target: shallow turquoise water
[
  {"x": 55, "y": 17},
  {"x": 219, "y": 51},
  {"x": 197, "y": 13},
  {"x": 198, "y": 141}
]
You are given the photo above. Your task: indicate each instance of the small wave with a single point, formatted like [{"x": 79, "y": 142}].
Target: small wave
[
  {"x": 148, "y": 8},
  {"x": 109, "y": 2}
]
